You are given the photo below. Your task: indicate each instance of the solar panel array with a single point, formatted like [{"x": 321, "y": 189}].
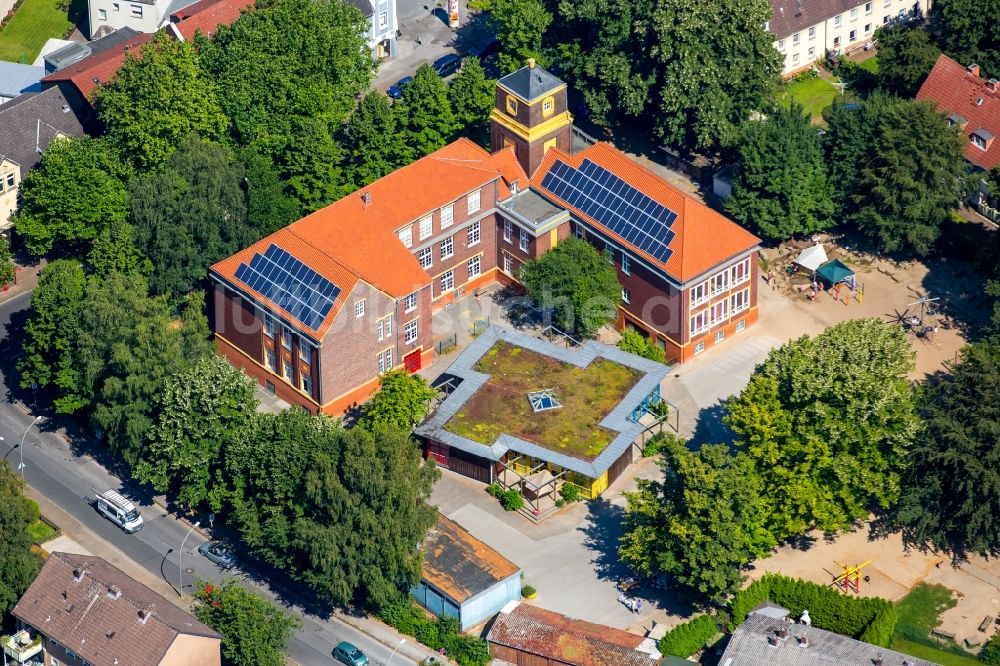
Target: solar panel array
[
  {"x": 615, "y": 204},
  {"x": 291, "y": 285}
]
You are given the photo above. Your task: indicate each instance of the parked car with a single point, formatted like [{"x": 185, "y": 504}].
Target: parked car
[
  {"x": 350, "y": 655},
  {"x": 447, "y": 65},
  {"x": 395, "y": 91},
  {"x": 120, "y": 510},
  {"x": 219, "y": 553}
]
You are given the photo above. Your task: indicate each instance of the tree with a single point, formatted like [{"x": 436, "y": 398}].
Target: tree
[
  {"x": 951, "y": 495},
  {"x": 472, "y": 98},
  {"x": 519, "y": 26},
  {"x": 269, "y": 208},
  {"x": 575, "y": 282},
  {"x": 52, "y": 328},
  {"x": 717, "y": 67},
  {"x": 634, "y": 342},
  {"x": 967, "y": 32},
  {"x": 114, "y": 250},
  {"x": 18, "y": 564},
  {"x": 374, "y": 144},
  {"x": 8, "y": 271},
  {"x": 198, "y": 414},
  {"x": 254, "y": 630},
  {"x": 157, "y": 99},
  {"x": 827, "y": 422},
  {"x": 701, "y": 524},
  {"x": 77, "y": 189},
  {"x": 781, "y": 188},
  {"x": 311, "y": 162},
  {"x": 190, "y": 215},
  {"x": 426, "y": 121},
  {"x": 905, "y": 58},
  {"x": 402, "y": 401}
]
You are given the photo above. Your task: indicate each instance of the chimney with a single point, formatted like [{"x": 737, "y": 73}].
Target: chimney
[
  {"x": 804, "y": 640},
  {"x": 146, "y": 612},
  {"x": 878, "y": 660},
  {"x": 973, "y": 69},
  {"x": 366, "y": 199},
  {"x": 78, "y": 574},
  {"x": 783, "y": 633},
  {"x": 531, "y": 63},
  {"x": 992, "y": 85},
  {"x": 114, "y": 592},
  {"x": 773, "y": 641}
]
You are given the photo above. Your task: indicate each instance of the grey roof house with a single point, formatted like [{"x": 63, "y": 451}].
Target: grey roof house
[{"x": 17, "y": 79}]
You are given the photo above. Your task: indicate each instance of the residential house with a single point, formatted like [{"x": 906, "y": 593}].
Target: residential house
[
  {"x": 30, "y": 123},
  {"x": 205, "y": 16},
  {"x": 319, "y": 309},
  {"x": 17, "y": 79},
  {"x": 146, "y": 16},
  {"x": 82, "y": 611},
  {"x": 768, "y": 641},
  {"x": 462, "y": 577},
  {"x": 524, "y": 634},
  {"x": 382, "y": 25},
  {"x": 805, "y": 30}
]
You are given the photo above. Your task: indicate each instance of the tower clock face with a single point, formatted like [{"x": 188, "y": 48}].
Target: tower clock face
[{"x": 511, "y": 105}]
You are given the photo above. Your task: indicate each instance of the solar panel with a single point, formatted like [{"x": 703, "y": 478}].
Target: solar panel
[
  {"x": 609, "y": 200},
  {"x": 291, "y": 285}
]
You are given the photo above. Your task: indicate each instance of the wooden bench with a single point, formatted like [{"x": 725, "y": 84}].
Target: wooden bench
[
  {"x": 985, "y": 624},
  {"x": 943, "y": 634}
]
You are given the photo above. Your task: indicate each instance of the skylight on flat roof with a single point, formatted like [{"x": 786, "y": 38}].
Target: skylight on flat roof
[{"x": 543, "y": 400}]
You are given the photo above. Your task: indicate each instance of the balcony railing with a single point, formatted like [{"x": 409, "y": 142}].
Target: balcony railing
[{"x": 21, "y": 647}]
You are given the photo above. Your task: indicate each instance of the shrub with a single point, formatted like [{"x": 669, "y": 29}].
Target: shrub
[
  {"x": 687, "y": 638},
  {"x": 658, "y": 442},
  {"x": 570, "y": 492},
  {"x": 436, "y": 633},
  {"x": 528, "y": 591},
  {"x": 636, "y": 343},
  {"x": 990, "y": 653},
  {"x": 511, "y": 500}
]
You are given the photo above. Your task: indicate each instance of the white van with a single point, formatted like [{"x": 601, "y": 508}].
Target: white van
[{"x": 119, "y": 509}]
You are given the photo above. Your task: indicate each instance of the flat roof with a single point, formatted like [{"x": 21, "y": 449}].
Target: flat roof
[
  {"x": 460, "y": 565},
  {"x": 529, "y": 206}
]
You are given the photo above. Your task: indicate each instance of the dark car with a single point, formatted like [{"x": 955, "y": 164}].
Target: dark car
[
  {"x": 395, "y": 91},
  {"x": 219, "y": 553},
  {"x": 350, "y": 655},
  {"x": 447, "y": 65}
]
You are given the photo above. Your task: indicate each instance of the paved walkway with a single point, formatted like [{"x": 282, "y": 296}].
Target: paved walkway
[{"x": 26, "y": 278}]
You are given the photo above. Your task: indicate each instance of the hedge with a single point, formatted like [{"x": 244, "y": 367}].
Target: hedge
[
  {"x": 436, "y": 633},
  {"x": 869, "y": 619},
  {"x": 687, "y": 638}
]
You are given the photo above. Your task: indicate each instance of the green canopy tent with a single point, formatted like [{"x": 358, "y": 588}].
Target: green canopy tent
[{"x": 834, "y": 271}]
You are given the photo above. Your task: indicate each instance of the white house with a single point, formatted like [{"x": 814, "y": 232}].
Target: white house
[
  {"x": 805, "y": 30},
  {"x": 382, "y": 24}
]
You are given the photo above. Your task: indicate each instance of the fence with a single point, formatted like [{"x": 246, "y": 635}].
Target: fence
[{"x": 445, "y": 345}]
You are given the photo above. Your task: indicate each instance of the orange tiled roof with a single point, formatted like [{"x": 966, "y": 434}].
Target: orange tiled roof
[
  {"x": 99, "y": 68},
  {"x": 704, "y": 237},
  {"x": 956, "y": 90},
  {"x": 357, "y": 239},
  {"x": 206, "y": 16},
  {"x": 511, "y": 170}
]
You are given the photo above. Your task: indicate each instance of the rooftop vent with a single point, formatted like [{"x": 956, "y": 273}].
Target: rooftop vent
[
  {"x": 973, "y": 69},
  {"x": 110, "y": 633},
  {"x": 773, "y": 641},
  {"x": 992, "y": 85},
  {"x": 114, "y": 592},
  {"x": 78, "y": 574},
  {"x": 878, "y": 660},
  {"x": 543, "y": 400},
  {"x": 803, "y": 641},
  {"x": 366, "y": 199},
  {"x": 979, "y": 101},
  {"x": 146, "y": 612},
  {"x": 782, "y": 633}
]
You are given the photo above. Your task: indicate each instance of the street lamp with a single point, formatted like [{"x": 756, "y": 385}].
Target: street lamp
[
  {"x": 20, "y": 447},
  {"x": 180, "y": 561},
  {"x": 394, "y": 652}
]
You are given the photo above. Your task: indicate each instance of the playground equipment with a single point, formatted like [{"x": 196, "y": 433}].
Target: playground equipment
[{"x": 850, "y": 579}]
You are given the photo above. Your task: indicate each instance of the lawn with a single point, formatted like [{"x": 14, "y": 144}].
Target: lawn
[
  {"x": 33, "y": 23},
  {"x": 501, "y": 405},
  {"x": 933, "y": 654},
  {"x": 40, "y": 532},
  {"x": 813, "y": 95},
  {"x": 918, "y": 616},
  {"x": 870, "y": 65}
]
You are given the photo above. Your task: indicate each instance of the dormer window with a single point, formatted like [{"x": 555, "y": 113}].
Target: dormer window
[
  {"x": 982, "y": 138},
  {"x": 956, "y": 119}
]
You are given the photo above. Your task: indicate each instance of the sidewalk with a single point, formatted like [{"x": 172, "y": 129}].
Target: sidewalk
[{"x": 25, "y": 280}]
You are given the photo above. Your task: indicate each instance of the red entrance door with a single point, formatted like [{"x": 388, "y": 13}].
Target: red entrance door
[{"x": 412, "y": 361}]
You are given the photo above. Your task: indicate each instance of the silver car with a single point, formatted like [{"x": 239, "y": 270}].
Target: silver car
[{"x": 219, "y": 553}]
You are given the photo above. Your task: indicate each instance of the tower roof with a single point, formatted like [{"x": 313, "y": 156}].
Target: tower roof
[{"x": 530, "y": 82}]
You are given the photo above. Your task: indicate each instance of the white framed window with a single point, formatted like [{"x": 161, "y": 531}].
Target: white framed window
[
  {"x": 447, "y": 216},
  {"x": 741, "y": 325},
  {"x": 812, "y": 52},
  {"x": 795, "y": 38},
  {"x": 448, "y": 281},
  {"x": 381, "y": 362},
  {"x": 854, "y": 14},
  {"x": 626, "y": 264},
  {"x": 474, "y": 265},
  {"x": 720, "y": 282},
  {"x": 978, "y": 141},
  {"x": 868, "y": 8},
  {"x": 305, "y": 351},
  {"x": 626, "y": 296},
  {"x": 410, "y": 332},
  {"x": 740, "y": 300},
  {"x": 380, "y": 329},
  {"x": 795, "y": 57},
  {"x": 812, "y": 32},
  {"x": 306, "y": 382},
  {"x": 522, "y": 240},
  {"x": 447, "y": 247},
  {"x": 426, "y": 257},
  {"x": 781, "y": 43},
  {"x": 852, "y": 36},
  {"x": 719, "y": 336},
  {"x": 136, "y": 10},
  {"x": 410, "y": 303},
  {"x": 385, "y": 361},
  {"x": 699, "y": 293},
  {"x": 472, "y": 202},
  {"x": 868, "y": 28},
  {"x": 720, "y": 311},
  {"x": 508, "y": 264},
  {"x": 115, "y": 7},
  {"x": 472, "y": 235},
  {"x": 902, "y": 13},
  {"x": 270, "y": 358},
  {"x": 286, "y": 338},
  {"x": 426, "y": 226},
  {"x": 580, "y": 232},
  {"x": 836, "y": 21},
  {"x": 383, "y": 20},
  {"x": 286, "y": 371},
  {"x": 885, "y": 20},
  {"x": 508, "y": 231},
  {"x": 741, "y": 271},
  {"x": 699, "y": 322},
  {"x": 359, "y": 308},
  {"x": 406, "y": 236},
  {"x": 699, "y": 348},
  {"x": 268, "y": 326},
  {"x": 836, "y": 42},
  {"x": 388, "y": 326},
  {"x": 102, "y": 14}
]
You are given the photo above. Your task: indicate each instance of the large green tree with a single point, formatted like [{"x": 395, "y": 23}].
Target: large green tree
[
  {"x": 158, "y": 98},
  {"x": 472, "y": 98},
  {"x": 576, "y": 284},
  {"x": 951, "y": 492},
  {"x": 375, "y": 148},
  {"x": 18, "y": 564},
  {"x": 198, "y": 414},
  {"x": 114, "y": 250},
  {"x": 827, "y": 422},
  {"x": 402, "y": 401},
  {"x": 77, "y": 189},
  {"x": 967, "y": 31},
  {"x": 781, "y": 187},
  {"x": 701, "y": 524},
  {"x": 905, "y": 58},
  {"x": 427, "y": 121},
  {"x": 254, "y": 630},
  {"x": 520, "y": 26}
]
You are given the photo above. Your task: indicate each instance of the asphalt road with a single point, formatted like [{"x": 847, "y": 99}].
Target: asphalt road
[{"x": 70, "y": 481}]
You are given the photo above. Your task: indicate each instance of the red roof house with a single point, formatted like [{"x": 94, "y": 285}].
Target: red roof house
[
  {"x": 971, "y": 102},
  {"x": 205, "y": 16}
]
